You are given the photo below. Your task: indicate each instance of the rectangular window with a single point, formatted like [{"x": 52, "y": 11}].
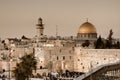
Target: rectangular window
[
  {"x": 60, "y": 50},
  {"x": 57, "y": 58},
  {"x": 70, "y": 57},
  {"x": 63, "y": 57}
]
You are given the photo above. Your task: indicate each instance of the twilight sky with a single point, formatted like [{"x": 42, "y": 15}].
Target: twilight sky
[{"x": 19, "y": 17}]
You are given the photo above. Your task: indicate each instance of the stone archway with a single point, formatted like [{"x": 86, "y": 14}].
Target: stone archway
[
  {"x": 58, "y": 66},
  {"x": 68, "y": 66},
  {"x": 63, "y": 66}
]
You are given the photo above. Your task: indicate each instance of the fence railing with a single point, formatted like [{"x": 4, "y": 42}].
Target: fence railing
[{"x": 103, "y": 72}]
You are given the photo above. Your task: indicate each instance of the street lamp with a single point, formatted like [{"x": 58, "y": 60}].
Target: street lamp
[
  {"x": 9, "y": 66},
  {"x": 91, "y": 65}
]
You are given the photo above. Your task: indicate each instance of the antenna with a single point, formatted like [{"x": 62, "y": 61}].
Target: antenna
[{"x": 56, "y": 31}]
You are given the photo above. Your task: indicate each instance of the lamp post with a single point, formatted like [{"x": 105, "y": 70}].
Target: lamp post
[
  {"x": 9, "y": 68},
  {"x": 50, "y": 62},
  {"x": 91, "y": 66}
]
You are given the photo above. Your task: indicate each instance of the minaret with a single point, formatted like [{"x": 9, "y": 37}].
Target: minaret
[{"x": 39, "y": 28}]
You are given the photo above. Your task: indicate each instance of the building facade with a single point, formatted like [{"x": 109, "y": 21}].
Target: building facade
[{"x": 59, "y": 54}]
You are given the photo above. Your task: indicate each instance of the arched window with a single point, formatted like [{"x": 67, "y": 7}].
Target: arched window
[
  {"x": 84, "y": 35},
  {"x": 57, "y": 58},
  {"x": 83, "y": 67},
  {"x": 81, "y": 35},
  {"x": 70, "y": 57},
  {"x": 88, "y": 35},
  {"x": 41, "y": 67},
  {"x": 63, "y": 57},
  {"x": 60, "y": 50}
]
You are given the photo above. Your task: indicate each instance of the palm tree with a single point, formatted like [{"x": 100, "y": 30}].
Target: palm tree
[
  {"x": 24, "y": 69},
  {"x": 19, "y": 73}
]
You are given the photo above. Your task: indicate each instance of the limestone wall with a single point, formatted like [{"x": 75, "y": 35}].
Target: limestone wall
[
  {"x": 69, "y": 58},
  {"x": 87, "y": 59},
  {"x": 19, "y": 52},
  {"x": 55, "y": 58}
]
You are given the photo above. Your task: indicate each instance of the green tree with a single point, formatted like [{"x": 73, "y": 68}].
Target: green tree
[
  {"x": 109, "y": 40},
  {"x": 24, "y": 69},
  {"x": 99, "y": 43},
  {"x": 86, "y": 43},
  {"x": 118, "y": 45}
]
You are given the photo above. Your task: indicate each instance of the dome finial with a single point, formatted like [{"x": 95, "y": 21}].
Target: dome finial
[{"x": 87, "y": 19}]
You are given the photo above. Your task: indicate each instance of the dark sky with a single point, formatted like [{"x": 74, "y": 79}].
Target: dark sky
[{"x": 19, "y": 17}]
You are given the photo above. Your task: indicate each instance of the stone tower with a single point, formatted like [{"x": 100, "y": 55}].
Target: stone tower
[{"x": 40, "y": 28}]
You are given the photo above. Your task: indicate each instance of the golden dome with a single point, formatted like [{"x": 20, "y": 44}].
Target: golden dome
[{"x": 87, "y": 28}]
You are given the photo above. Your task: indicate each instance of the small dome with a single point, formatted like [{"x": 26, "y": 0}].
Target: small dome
[{"x": 87, "y": 28}]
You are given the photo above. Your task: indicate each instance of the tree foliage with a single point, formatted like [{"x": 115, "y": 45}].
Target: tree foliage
[
  {"x": 86, "y": 43},
  {"x": 24, "y": 69},
  {"x": 109, "y": 40},
  {"x": 99, "y": 43},
  {"x": 108, "y": 43}
]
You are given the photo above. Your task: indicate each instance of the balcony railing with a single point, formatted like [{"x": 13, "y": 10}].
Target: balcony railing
[{"x": 103, "y": 72}]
